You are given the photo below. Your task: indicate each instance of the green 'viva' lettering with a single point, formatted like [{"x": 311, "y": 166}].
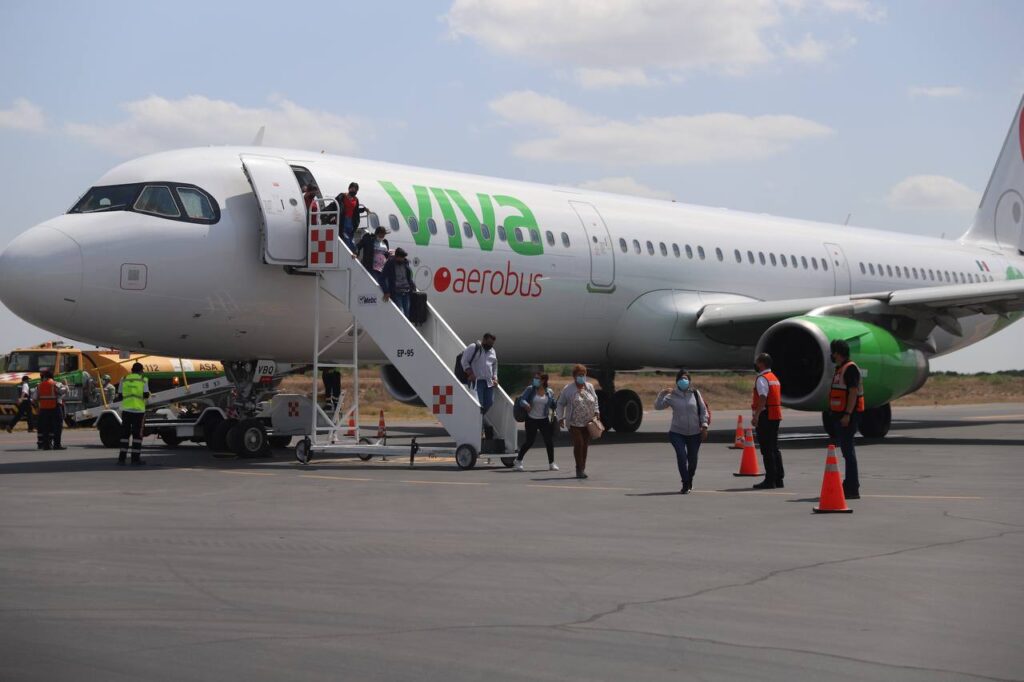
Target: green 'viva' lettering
[{"x": 426, "y": 210}]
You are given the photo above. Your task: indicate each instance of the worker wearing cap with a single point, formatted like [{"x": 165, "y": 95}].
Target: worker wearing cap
[
  {"x": 134, "y": 390},
  {"x": 49, "y": 416},
  {"x": 109, "y": 390},
  {"x": 24, "y": 406}
]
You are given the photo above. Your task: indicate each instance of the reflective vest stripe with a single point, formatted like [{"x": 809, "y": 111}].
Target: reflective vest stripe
[
  {"x": 838, "y": 394},
  {"x": 773, "y": 402}
]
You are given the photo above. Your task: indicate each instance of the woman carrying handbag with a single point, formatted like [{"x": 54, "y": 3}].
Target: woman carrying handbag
[{"x": 577, "y": 407}]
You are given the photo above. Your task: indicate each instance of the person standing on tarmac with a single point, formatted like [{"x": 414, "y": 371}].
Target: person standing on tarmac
[
  {"x": 539, "y": 402},
  {"x": 846, "y": 405},
  {"x": 24, "y": 407},
  {"x": 134, "y": 390},
  {"x": 46, "y": 398},
  {"x": 58, "y": 424},
  {"x": 766, "y": 416},
  {"x": 577, "y": 406},
  {"x": 689, "y": 426}
]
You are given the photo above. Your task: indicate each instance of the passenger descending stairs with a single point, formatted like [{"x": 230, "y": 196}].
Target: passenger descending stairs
[{"x": 424, "y": 355}]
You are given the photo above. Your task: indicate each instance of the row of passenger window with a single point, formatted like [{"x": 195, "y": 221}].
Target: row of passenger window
[
  {"x": 904, "y": 272},
  {"x": 394, "y": 224},
  {"x": 791, "y": 260}
]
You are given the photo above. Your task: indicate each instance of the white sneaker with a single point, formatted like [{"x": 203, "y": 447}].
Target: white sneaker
[
  {"x": 552, "y": 467},
  {"x": 518, "y": 466}
]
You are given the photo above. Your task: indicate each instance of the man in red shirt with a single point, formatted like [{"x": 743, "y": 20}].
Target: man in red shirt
[{"x": 350, "y": 210}]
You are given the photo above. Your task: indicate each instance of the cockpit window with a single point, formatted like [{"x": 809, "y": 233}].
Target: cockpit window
[
  {"x": 157, "y": 199},
  {"x": 109, "y": 198},
  {"x": 186, "y": 203},
  {"x": 197, "y": 204}
]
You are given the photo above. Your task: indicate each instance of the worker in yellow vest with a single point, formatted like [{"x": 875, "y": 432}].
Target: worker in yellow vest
[
  {"x": 766, "y": 416},
  {"x": 846, "y": 404},
  {"x": 133, "y": 390}
]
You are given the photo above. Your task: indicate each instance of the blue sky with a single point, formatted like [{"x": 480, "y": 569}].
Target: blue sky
[{"x": 893, "y": 113}]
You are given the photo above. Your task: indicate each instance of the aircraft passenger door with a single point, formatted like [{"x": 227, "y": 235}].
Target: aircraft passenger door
[
  {"x": 840, "y": 268},
  {"x": 282, "y": 210},
  {"x": 599, "y": 241}
]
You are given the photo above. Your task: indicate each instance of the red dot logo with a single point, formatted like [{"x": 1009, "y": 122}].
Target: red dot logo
[{"x": 442, "y": 279}]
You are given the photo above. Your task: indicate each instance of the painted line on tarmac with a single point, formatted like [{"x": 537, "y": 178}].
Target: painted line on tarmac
[
  {"x": 927, "y": 497},
  {"x": 336, "y": 478},
  {"x": 992, "y": 416},
  {"x": 741, "y": 492},
  {"x": 247, "y": 473},
  {"x": 582, "y": 486},
  {"x": 445, "y": 482}
]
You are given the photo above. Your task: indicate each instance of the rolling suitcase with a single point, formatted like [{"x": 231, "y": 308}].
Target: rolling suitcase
[{"x": 418, "y": 307}]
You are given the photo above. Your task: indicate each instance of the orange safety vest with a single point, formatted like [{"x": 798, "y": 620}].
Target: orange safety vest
[
  {"x": 48, "y": 395},
  {"x": 774, "y": 402},
  {"x": 837, "y": 396}
]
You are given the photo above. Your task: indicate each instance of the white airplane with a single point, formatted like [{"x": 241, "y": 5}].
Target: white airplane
[{"x": 199, "y": 253}]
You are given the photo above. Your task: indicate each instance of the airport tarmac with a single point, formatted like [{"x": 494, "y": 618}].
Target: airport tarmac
[{"x": 203, "y": 568}]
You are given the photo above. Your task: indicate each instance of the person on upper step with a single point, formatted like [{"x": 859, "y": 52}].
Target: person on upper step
[
  {"x": 373, "y": 251},
  {"x": 396, "y": 280},
  {"x": 350, "y": 210}
]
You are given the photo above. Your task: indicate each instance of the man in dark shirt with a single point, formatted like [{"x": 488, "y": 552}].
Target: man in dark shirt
[{"x": 846, "y": 403}]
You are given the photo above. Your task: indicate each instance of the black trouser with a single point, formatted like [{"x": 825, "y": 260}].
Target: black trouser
[
  {"x": 845, "y": 436},
  {"x": 768, "y": 440},
  {"x": 131, "y": 425},
  {"x": 24, "y": 411},
  {"x": 58, "y": 426},
  {"x": 332, "y": 386},
  {"x": 547, "y": 432},
  {"x": 49, "y": 422}
]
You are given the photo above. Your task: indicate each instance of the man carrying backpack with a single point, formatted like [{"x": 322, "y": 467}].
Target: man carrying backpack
[{"x": 480, "y": 363}]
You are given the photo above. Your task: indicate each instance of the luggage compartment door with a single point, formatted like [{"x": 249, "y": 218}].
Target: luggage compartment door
[{"x": 282, "y": 211}]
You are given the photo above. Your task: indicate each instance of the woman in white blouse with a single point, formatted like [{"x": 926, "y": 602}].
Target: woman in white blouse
[{"x": 577, "y": 407}]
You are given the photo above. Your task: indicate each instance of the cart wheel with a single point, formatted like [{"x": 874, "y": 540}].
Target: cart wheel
[
  {"x": 363, "y": 456},
  {"x": 303, "y": 452},
  {"x": 250, "y": 439},
  {"x": 171, "y": 440},
  {"x": 465, "y": 456},
  {"x": 508, "y": 461}
]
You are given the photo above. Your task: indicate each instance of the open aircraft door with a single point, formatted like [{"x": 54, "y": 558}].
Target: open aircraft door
[
  {"x": 599, "y": 241},
  {"x": 282, "y": 211}
]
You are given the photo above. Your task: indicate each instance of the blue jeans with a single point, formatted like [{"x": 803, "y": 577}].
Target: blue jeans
[
  {"x": 403, "y": 301},
  {"x": 485, "y": 394},
  {"x": 845, "y": 435},
  {"x": 347, "y": 229},
  {"x": 686, "y": 448}
]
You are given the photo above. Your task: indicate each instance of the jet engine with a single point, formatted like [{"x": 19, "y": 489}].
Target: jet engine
[
  {"x": 799, "y": 347},
  {"x": 398, "y": 387}
]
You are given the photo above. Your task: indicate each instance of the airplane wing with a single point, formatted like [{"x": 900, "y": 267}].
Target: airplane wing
[{"x": 911, "y": 314}]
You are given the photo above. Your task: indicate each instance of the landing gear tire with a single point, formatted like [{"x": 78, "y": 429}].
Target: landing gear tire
[
  {"x": 280, "y": 441},
  {"x": 110, "y": 433},
  {"x": 218, "y": 439},
  {"x": 250, "y": 439},
  {"x": 875, "y": 423},
  {"x": 627, "y": 411},
  {"x": 210, "y": 425},
  {"x": 171, "y": 440},
  {"x": 466, "y": 456},
  {"x": 828, "y": 425},
  {"x": 508, "y": 461},
  {"x": 303, "y": 452}
]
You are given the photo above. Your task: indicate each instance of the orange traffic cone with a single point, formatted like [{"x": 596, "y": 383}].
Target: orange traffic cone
[
  {"x": 382, "y": 429},
  {"x": 737, "y": 443},
  {"x": 351, "y": 427},
  {"x": 748, "y": 460},
  {"x": 832, "y": 500}
]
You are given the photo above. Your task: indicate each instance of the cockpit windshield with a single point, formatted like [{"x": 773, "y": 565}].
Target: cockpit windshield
[
  {"x": 31, "y": 362},
  {"x": 172, "y": 200}
]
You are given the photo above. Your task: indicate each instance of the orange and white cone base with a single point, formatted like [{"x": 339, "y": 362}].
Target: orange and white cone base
[
  {"x": 737, "y": 443},
  {"x": 382, "y": 429},
  {"x": 351, "y": 427},
  {"x": 748, "y": 460},
  {"x": 832, "y": 500}
]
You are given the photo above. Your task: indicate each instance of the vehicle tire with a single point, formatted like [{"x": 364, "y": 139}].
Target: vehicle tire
[
  {"x": 826, "y": 424},
  {"x": 210, "y": 423},
  {"x": 218, "y": 438},
  {"x": 627, "y": 411},
  {"x": 466, "y": 456},
  {"x": 508, "y": 461},
  {"x": 171, "y": 440},
  {"x": 110, "y": 433},
  {"x": 875, "y": 423},
  {"x": 249, "y": 439},
  {"x": 280, "y": 441},
  {"x": 303, "y": 451}
]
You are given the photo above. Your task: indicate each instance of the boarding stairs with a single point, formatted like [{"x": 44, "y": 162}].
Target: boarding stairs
[{"x": 424, "y": 355}]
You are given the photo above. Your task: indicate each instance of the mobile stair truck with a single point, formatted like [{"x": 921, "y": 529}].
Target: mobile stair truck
[{"x": 424, "y": 354}]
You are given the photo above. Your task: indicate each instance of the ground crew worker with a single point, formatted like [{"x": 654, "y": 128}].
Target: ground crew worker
[
  {"x": 846, "y": 405},
  {"x": 134, "y": 390},
  {"x": 24, "y": 407},
  {"x": 46, "y": 399},
  {"x": 766, "y": 416},
  {"x": 109, "y": 390},
  {"x": 58, "y": 424}
]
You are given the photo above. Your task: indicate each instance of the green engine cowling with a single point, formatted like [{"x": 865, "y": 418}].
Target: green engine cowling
[{"x": 799, "y": 347}]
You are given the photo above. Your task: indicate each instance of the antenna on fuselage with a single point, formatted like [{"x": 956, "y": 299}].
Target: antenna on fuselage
[
  {"x": 847, "y": 221},
  {"x": 258, "y": 140}
]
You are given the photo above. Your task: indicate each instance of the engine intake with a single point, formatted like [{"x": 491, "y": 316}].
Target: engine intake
[{"x": 398, "y": 387}]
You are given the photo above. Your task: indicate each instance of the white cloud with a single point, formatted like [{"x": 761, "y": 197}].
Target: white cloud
[
  {"x": 24, "y": 115},
  {"x": 937, "y": 91},
  {"x": 932, "y": 192},
  {"x": 570, "y": 134},
  {"x": 155, "y": 124},
  {"x": 638, "y": 42},
  {"x": 624, "y": 185},
  {"x": 809, "y": 49}
]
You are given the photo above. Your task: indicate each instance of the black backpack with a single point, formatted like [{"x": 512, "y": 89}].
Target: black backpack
[{"x": 459, "y": 372}]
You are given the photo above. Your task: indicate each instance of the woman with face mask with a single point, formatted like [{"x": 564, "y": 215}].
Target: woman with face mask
[
  {"x": 577, "y": 407},
  {"x": 689, "y": 425},
  {"x": 539, "y": 402}
]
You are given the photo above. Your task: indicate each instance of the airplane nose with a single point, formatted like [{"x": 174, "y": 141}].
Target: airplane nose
[{"x": 41, "y": 276}]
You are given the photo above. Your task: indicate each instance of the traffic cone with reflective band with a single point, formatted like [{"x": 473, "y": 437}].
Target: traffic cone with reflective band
[
  {"x": 748, "y": 460},
  {"x": 832, "y": 500},
  {"x": 351, "y": 427},
  {"x": 382, "y": 429},
  {"x": 737, "y": 443}
]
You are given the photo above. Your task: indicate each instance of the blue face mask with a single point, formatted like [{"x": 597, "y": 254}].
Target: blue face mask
[
  {"x": 683, "y": 384},
  {"x": 580, "y": 380},
  {"x": 536, "y": 383}
]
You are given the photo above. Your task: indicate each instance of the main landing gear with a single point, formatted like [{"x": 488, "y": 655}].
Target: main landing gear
[
  {"x": 241, "y": 433},
  {"x": 620, "y": 410}
]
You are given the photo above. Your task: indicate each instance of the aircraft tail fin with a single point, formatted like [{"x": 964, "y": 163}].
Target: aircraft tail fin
[
  {"x": 1000, "y": 217},
  {"x": 258, "y": 140}
]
